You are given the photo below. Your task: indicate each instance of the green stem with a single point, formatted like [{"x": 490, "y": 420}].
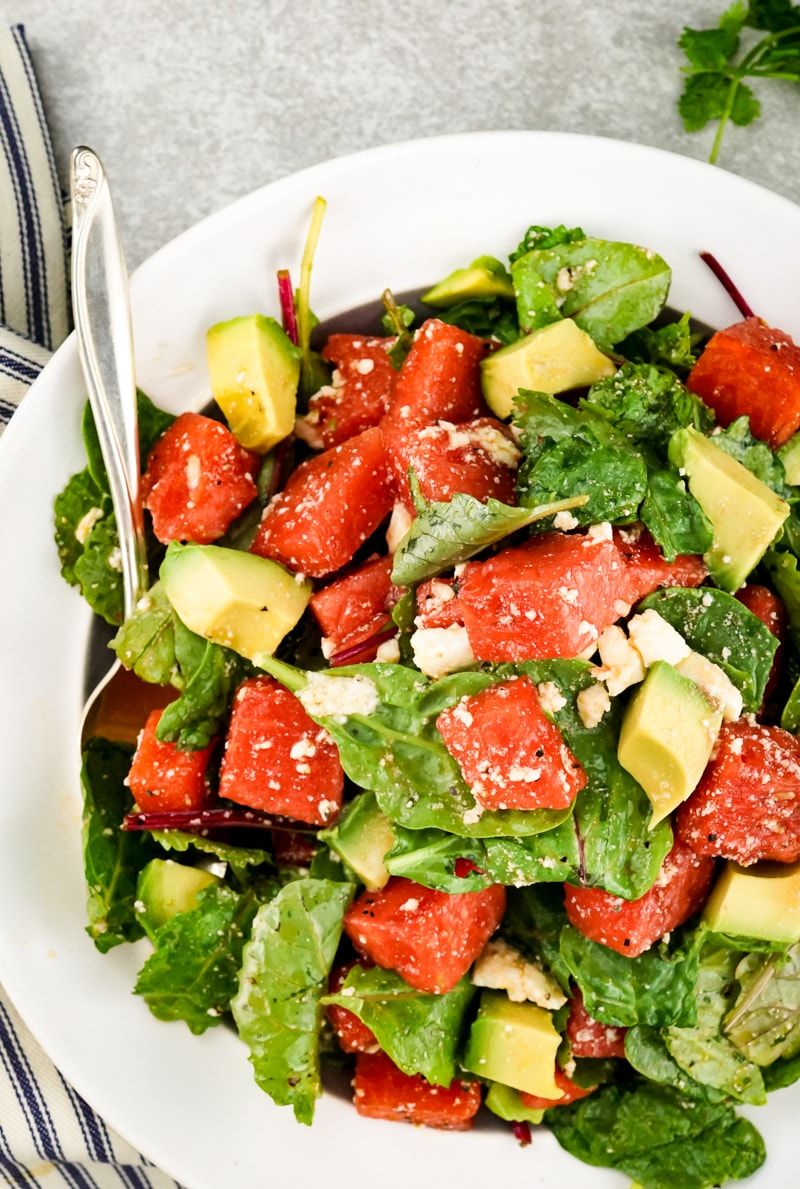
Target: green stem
[{"x": 723, "y": 120}]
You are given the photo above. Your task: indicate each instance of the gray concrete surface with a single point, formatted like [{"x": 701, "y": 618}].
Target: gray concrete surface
[{"x": 193, "y": 103}]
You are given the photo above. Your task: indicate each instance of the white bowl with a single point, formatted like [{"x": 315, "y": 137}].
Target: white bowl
[{"x": 400, "y": 216}]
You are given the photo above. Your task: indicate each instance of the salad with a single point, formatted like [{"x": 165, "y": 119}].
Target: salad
[{"x": 472, "y": 767}]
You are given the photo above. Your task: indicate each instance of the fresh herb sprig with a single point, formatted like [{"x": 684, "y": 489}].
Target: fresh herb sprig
[{"x": 715, "y": 87}]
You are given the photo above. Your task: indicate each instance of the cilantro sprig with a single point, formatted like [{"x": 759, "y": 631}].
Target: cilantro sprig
[{"x": 719, "y": 63}]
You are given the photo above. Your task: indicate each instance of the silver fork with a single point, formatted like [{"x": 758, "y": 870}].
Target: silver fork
[{"x": 101, "y": 308}]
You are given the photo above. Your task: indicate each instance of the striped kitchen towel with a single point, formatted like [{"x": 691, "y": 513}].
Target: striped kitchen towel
[{"x": 48, "y": 1135}]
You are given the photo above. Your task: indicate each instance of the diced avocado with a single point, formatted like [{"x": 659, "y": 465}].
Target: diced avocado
[
  {"x": 745, "y": 514},
  {"x": 361, "y": 838},
  {"x": 507, "y": 1104},
  {"x": 245, "y": 602},
  {"x": 552, "y": 359},
  {"x": 667, "y": 736},
  {"x": 254, "y": 369},
  {"x": 166, "y": 888},
  {"x": 760, "y": 902},
  {"x": 515, "y": 1044},
  {"x": 485, "y": 277},
  {"x": 789, "y": 454}
]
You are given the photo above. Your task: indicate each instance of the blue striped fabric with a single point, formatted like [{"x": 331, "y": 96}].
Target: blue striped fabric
[{"x": 49, "y": 1135}]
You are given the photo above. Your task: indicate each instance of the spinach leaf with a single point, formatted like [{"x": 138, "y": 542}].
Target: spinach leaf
[
  {"x": 702, "y": 1050},
  {"x": 782, "y": 1073},
  {"x": 724, "y": 630},
  {"x": 397, "y": 753},
  {"x": 76, "y": 508},
  {"x": 238, "y": 858},
  {"x": 152, "y": 423},
  {"x": 782, "y": 569},
  {"x": 145, "y": 643},
  {"x": 194, "y": 971},
  {"x": 241, "y": 534},
  {"x": 647, "y": 404},
  {"x": 658, "y": 1137},
  {"x": 533, "y": 922},
  {"x": 284, "y": 973},
  {"x": 403, "y": 615},
  {"x": 646, "y": 1051},
  {"x": 421, "y": 1033},
  {"x": 430, "y": 857},
  {"x": 764, "y": 1021},
  {"x": 446, "y": 534},
  {"x": 576, "y": 452},
  {"x": 546, "y": 237},
  {"x": 738, "y": 441},
  {"x": 667, "y": 346},
  {"x": 98, "y": 570},
  {"x": 674, "y": 518},
  {"x": 112, "y": 857},
  {"x": 610, "y": 289},
  {"x": 790, "y": 715},
  {"x": 488, "y": 318},
  {"x": 209, "y": 676},
  {"x": 657, "y": 988}
]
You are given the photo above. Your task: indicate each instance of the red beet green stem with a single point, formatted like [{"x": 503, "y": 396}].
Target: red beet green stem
[
  {"x": 288, "y": 310},
  {"x": 727, "y": 284},
  {"x": 201, "y": 821}
]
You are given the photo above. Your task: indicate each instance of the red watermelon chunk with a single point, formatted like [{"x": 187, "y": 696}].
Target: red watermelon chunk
[
  {"x": 477, "y": 458},
  {"x": 163, "y": 778},
  {"x": 437, "y": 604},
  {"x": 747, "y": 806},
  {"x": 357, "y": 606},
  {"x": 751, "y": 370},
  {"x": 198, "y": 480},
  {"x": 512, "y": 756},
  {"x": 382, "y": 1091},
  {"x": 571, "y": 1092},
  {"x": 430, "y": 938},
  {"x": 361, "y": 392},
  {"x": 353, "y": 1036},
  {"x": 440, "y": 379},
  {"x": 772, "y": 613},
  {"x": 631, "y": 926},
  {"x": 588, "y": 1037},
  {"x": 277, "y": 759},
  {"x": 555, "y": 594},
  {"x": 329, "y": 507}
]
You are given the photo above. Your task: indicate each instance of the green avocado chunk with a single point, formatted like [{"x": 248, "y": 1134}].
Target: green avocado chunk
[
  {"x": 361, "y": 838},
  {"x": 254, "y": 369},
  {"x": 244, "y": 602},
  {"x": 552, "y": 359},
  {"x": 745, "y": 514},
  {"x": 667, "y": 736},
  {"x": 760, "y": 902},
  {"x": 514, "y": 1044},
  {"x": 485, "y": 277},
  {"x": 166, "y": 888},
  {"x": 507, "y": 1104}
]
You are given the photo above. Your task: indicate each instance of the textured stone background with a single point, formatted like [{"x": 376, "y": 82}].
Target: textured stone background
[{"x": 193, "y": 103}]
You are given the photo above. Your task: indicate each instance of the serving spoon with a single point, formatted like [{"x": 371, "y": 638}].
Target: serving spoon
[{"x": 117, "y": 704}]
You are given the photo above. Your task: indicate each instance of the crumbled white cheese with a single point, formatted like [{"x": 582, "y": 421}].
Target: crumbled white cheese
[
  {"x": 656, "y": 640},
  {"x": 592, "y": 704},
  {"x": 115, "y": 558},
  {"x": 338, "y": 696},
  {"x": 622, "y": 665},
  {"x": 327, "y": 647},
  {"x": 365, "y": 366},
  {"x": 304, "y": 748},
  {"x": 388, "y": 652},
  {"x": 410, "y": 905},
  {"x": 438, "y": 651},
  {"x": 461, "y": 713},
  {"x": 551, "y": 698},
  {"x": 399, "y": 525},
  {"x": 306, "y": 431},
  {"x": 502, "y": 968},
  {"x": 715, "y": 684},
  {"x": 490, "y": 439},
  {"x": 86, "y": 524},
  {"x": 599, "y": 532},
  {"x": 193, "y": 471},
  {"x": 564, "y": 521}
]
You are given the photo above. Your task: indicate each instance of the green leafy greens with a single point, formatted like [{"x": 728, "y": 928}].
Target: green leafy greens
[
  {"x": 283, "y": 977},
  {"x": 715, "y": 87},
  {"x": 421, "y": 1033}
]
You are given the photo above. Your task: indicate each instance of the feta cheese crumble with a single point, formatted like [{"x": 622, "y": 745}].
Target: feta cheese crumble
[
  {"x": 438, "y": 651},
  {"x": 338, "y": 696},
  {"x": 593, "y": 703},
  {"x": 502, "y": 968},
  {"x": 656, "y": 640}
]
